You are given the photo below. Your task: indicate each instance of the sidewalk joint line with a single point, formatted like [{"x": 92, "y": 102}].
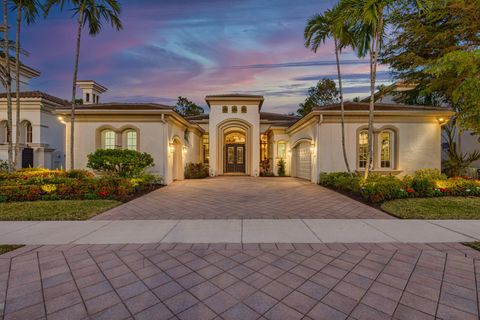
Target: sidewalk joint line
[
  {"x": 89, "y": 233},
  {"x": 308, "y": 227},
  {"x": 168, "y": 232},
  {"x": 458, "y": 232},
  {"x": 380, "y": 230}
]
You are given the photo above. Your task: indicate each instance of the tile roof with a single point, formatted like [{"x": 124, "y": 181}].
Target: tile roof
[
  {"x": 270, "y": 116},
  {"x": 363, "y": 106},
  {"x": 37, "y": 94},
  {"x": 123, "y": 106}
]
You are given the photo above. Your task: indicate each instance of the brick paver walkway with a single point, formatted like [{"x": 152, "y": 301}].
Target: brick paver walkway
[
  {"x": 243, "y": 198},
  {"x": 358, "y": 281}
]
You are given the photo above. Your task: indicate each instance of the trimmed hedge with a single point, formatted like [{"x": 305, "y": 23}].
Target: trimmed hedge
[{"x": 424, "y": 183}]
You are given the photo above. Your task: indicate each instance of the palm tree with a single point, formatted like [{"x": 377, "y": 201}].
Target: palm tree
[
  {"x": 319, "y": 28},
  {"x": 29, "y": 8},
  {"x": 89, "y": 13},
  {"x": 368, "y": 19},
  {"x": 7, "y": 82}
]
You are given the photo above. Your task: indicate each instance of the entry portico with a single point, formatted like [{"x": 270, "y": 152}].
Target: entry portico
[{"x": 233, "y": 130}]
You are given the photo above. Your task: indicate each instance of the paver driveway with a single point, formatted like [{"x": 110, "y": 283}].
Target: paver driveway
[
  {"x": 274, "y": 282},
  {"x": 243, "y": 198}
]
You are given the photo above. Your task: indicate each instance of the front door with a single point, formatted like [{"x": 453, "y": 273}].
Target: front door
[{"x": 235, "y": 158}]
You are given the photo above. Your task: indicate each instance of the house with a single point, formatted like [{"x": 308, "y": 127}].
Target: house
[
  {"x": 466, "y": 141},
  {"x": 42, "y": 135},
  {"x": 236, "y": 137}
]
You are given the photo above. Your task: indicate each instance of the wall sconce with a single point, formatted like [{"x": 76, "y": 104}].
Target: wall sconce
[
  {"x": 312, "y": 148},
  {"x": 171, "y": 148},
  {"x": 60, "y": 118},
  {"x": 442, "y": 120},
  {"x": 184, "y": 149}
]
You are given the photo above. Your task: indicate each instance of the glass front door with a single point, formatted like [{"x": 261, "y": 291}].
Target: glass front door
[{"x": 235, "y": 158}]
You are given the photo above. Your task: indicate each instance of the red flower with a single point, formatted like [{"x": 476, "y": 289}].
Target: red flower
[
  {"x": 442, "y": 190},
  {"x": 409, "y": 190}
]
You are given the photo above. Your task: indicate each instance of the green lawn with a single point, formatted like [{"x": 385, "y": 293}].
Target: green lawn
[
  {"x": 54, "y": 210},
  {"x": 435, "y": 208},
  {"x": 8, "y": 247}
]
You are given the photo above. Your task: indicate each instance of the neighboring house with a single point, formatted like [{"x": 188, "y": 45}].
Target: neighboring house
[
  {"x": 42, "y": 135},
  {"x": 237, "y": 138}
]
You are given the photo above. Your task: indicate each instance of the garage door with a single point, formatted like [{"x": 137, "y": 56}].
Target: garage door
[{"x": 303, "y": 161}]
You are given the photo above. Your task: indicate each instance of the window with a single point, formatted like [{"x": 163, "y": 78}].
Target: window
[
  {"x": 386, "y": 149},
  {"x": 206, "y": 151},
  {"x": 225, "y": 109},
  {"x": 93, "y": 98},
  {"x": 263, "y": 147},
  {"x": 98, "y": 99},
  {"x": 244, "y": 109},
  {"x": 234, "y": 109},
  {"x": 28, "y": 132},
  {"x": 108, "y": 139},
  {"x": 362, "y": 149},
  {"x": 131, "y": 140},
  {"x": 87, "y": 97},
  {"x": 281, "y": 150},
  {"x": 235, "y": 137}
]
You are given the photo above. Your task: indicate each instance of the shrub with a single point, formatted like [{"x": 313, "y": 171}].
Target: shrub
[
  {"x": 424, "y": 183},
  {"x": 119, "y": 162},
  {"x": 79, "y": 174},
  {"x": 196, "y": 171},
  {"x": 381, "y": 188},
  {"x": 281, "y": 168},
  {"x": 341, "y": 181},
  {"x": 3, "y": 165}
]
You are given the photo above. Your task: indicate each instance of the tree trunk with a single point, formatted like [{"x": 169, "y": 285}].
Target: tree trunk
[
  {"x": 74, "y": 89},
  {"x": 342, "y": 107},
  {"x": 377, "y": 31},
  {"x": 372, "y": 104},
  {"x": 8, "y": 86},
  {"x": 17, "y": 83}
]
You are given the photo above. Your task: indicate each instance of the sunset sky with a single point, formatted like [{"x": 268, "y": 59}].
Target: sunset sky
[{"x": 194, "y": 48}]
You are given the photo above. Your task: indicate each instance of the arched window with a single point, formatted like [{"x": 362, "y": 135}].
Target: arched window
[
  {"x": 28, "y": 132},
  {"x": 108, "y": 139},
  {"x": 225, "y": 109},
  {"x": 234, "y": 109},
  {"x": 131, "y": 140},
  {"x": 244, "y": 109},
  {"x": 386, "y": 149},
  {"x": 362, "y": 148}
]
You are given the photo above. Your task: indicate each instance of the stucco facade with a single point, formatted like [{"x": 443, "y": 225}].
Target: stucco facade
[{"x": 235, "y": 137}]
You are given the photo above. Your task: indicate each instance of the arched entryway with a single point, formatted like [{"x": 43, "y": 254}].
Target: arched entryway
[
  {"x": 235, "y": 151},
  {"x": 177, "y": 158},
  {"x": 234, "y": 147}
]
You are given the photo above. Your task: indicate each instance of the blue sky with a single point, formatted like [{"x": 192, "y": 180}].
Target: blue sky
[{"x": 194, "y": 48}]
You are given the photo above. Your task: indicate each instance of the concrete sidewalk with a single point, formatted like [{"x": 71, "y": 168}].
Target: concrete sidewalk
[{"x": 239, "y": 231}]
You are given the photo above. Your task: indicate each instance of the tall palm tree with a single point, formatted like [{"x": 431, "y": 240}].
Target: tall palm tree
[
  {"x": 27, "y": 9},
  {"x": 7, "y": 81},
  {"x": 90, "y": 13},
  {"x": 321, "y": 27},
  {"x": 368, "y": 18}
]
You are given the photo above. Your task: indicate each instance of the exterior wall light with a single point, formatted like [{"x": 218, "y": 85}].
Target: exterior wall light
[
  {"x": 184, "y": 149},
  {"x": 312, "y": 148},
  {"x": 171, "y": 148},
  {"x": 442, "y": 120}
]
